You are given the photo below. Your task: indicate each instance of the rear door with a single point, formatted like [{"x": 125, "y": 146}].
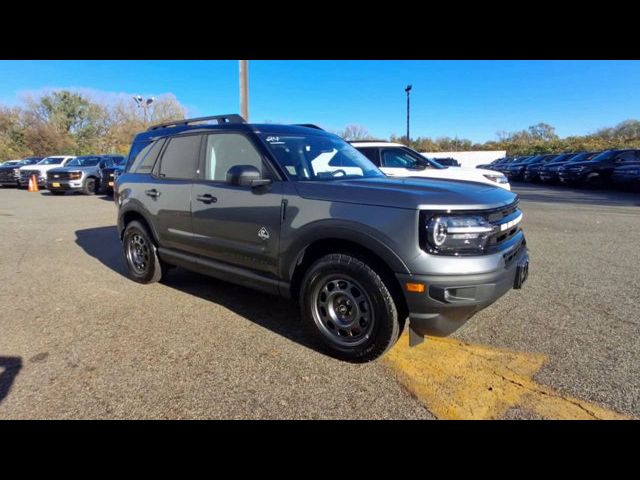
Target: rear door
[
  {"x": 168, "y": 196},
  {"x": 238, "y": 225}
]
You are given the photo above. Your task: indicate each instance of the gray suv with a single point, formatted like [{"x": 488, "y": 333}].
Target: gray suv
[{"x": 298, "y": 212}]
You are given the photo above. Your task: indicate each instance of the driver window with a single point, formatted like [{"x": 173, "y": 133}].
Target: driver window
[
  {"x": 397, "y": 159},
  {"x": 226, "y": 150}
]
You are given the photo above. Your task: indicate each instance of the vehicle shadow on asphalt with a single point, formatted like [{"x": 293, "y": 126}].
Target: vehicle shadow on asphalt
[
  {"x": 535, "y": 192},
  {"x": 10, "y": 367},
  {"x": 274, "y": 313}
]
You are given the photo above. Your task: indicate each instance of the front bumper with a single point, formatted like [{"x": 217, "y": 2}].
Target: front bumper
[
  {"x": 450, "y": 300},
  {"x": 64, "y": 185},
  {"x": 625, "y": 179},
  {"x": 548, "y": 176},
  {"x": 24, "y": 181},
  {"x": 515, "y": 174},
  {"x": 9, "y": 179},
  {"x": 569, "y": 176}
]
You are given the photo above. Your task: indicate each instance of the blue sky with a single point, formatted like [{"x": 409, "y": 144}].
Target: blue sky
[{"x": 468, "y": 99}]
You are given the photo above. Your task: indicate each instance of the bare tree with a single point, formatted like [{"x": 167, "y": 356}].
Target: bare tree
[{"x": 355, "y": 132}]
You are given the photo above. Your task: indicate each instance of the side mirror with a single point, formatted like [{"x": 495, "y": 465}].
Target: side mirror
[{"x": 246, "y": 176}]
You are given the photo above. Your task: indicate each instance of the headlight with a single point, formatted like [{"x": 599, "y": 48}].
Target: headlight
[
  {"x": 496, "y": 178},
  {"x": 456, "y": 235},
  {"x": 16, "y": 171},
  {"x": 75, "y": 175}
]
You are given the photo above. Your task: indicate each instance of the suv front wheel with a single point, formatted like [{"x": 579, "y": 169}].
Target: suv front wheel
[
  {"x": 348, "y": 309},
  {"x": 140, "y": 254}
]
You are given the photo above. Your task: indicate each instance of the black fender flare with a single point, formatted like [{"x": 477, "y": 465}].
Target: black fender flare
[{"x": 338, "y": 230}]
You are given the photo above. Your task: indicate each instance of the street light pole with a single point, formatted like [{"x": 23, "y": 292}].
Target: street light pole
[
  {"x": 408, "y": 89},
  {"x": 244, "y": 89},
  {"x": 144, "y": 104}
]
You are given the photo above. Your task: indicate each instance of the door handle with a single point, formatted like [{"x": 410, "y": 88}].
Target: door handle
[
  {"x": 206, "y": 198},
  {"x": 152, "y": 193}
]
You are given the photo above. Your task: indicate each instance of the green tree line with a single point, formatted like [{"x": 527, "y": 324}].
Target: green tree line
[
  {"x": 539, "y": 138},
  {"x": 64, "y": 122}
]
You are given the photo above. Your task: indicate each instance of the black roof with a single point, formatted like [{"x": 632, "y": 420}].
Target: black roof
[{"x": 226, "y": 122}]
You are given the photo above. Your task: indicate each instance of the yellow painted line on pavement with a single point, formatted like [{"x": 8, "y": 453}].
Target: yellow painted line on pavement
[{"x": 456, "y": 380}]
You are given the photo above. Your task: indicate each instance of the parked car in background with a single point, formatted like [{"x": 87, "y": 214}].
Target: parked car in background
[
  {"x": 41, "y": 168},
  {"x": 82, "y": 174},
  {"x": 596, "y": 172},
  {"x": 448, "y": 162},
  {"x": 114, "y": 164},
  {"x": 532, "y": 170},
  {"x": 548, "y": 173},
  {"x": 503, "y": 167},
  {"x": 495, "y": 163},
  {"x": 8, "y": 163},
  {"x": 627, "y": 176},
  {"x": 397, "y": 160},
  {"x": 10, "y": 174},
  {"x": 515, "y": 170}
]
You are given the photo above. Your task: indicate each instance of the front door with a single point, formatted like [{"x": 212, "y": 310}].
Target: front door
[{"x": 237, "y": 225}]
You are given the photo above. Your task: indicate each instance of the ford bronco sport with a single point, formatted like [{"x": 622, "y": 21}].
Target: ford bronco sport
[{"x": 298, "y": 212}]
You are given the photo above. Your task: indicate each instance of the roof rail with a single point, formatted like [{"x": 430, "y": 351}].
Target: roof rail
[
  {"x": 308, "y": 125},
  {"x": 371, "y": 140},
  {"x": 229, "y": 118}
]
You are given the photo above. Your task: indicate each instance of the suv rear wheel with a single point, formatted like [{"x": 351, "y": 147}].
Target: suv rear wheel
[
  {"x": 140, "y": 254},
  {"x": 348, "y": 309}
]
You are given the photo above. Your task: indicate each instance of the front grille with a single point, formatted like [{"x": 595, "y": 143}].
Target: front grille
[
  {"x": 501, "y": 219},
  {"x": 25, "y": 174},
  {"x": 52, "y": 177},
  {"x": 7, "y": 175}
]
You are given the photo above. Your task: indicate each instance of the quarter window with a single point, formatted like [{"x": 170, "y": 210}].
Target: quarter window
[{"x": 146, "y": 157}]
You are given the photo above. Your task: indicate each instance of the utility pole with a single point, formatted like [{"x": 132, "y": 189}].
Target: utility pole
[
  {"x": 244, "y": 89},
  {"x": 408, "y": 89}
]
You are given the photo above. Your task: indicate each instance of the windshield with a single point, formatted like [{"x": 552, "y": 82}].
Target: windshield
[
  {"x": 119, "y": 161},
  {"x": 29, "y": 161},
  {"x": 561, "y": 158},
  {"x": 51, "y": 161},
  {"x": 83, "y": 162},
  {"x": 318, "y": 157},
  {"x": 581, "y": 157},
  {"x": 606, "y": 155}
]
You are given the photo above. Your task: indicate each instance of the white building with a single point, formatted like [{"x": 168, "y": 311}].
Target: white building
[{"x": 469, "y": 159}]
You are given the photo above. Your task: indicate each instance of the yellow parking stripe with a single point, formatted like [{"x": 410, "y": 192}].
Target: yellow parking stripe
[{"x": 456, "y": 380}]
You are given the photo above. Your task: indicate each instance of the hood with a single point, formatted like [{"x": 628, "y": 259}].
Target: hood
[
  {"x": 628, "y": 166},
  {"x": 576, "y": 165},
  {"x": 72, "y": 169},
  {"x": 11, "y": 167},
  {"x": 39, "y": 168},
  {"x": 409, "y": 193}
]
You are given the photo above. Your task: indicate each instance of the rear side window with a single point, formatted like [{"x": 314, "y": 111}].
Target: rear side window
[
  {"x": 180, "y": 157},
  {"x": 371, "y": 154},
  {"x": 146, "y": 157}
]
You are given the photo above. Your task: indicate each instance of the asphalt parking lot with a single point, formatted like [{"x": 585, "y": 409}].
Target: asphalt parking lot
[{"x": 79, "y": 340}]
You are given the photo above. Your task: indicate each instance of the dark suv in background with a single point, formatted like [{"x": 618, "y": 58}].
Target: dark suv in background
[
  {"x": 112, "y": 165},
  {"x": 10, "y": 174},
  {"x": 298, "y": 212},
  {"x": 548, "y": 172},
  {"x": 596, "y": 172}
]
